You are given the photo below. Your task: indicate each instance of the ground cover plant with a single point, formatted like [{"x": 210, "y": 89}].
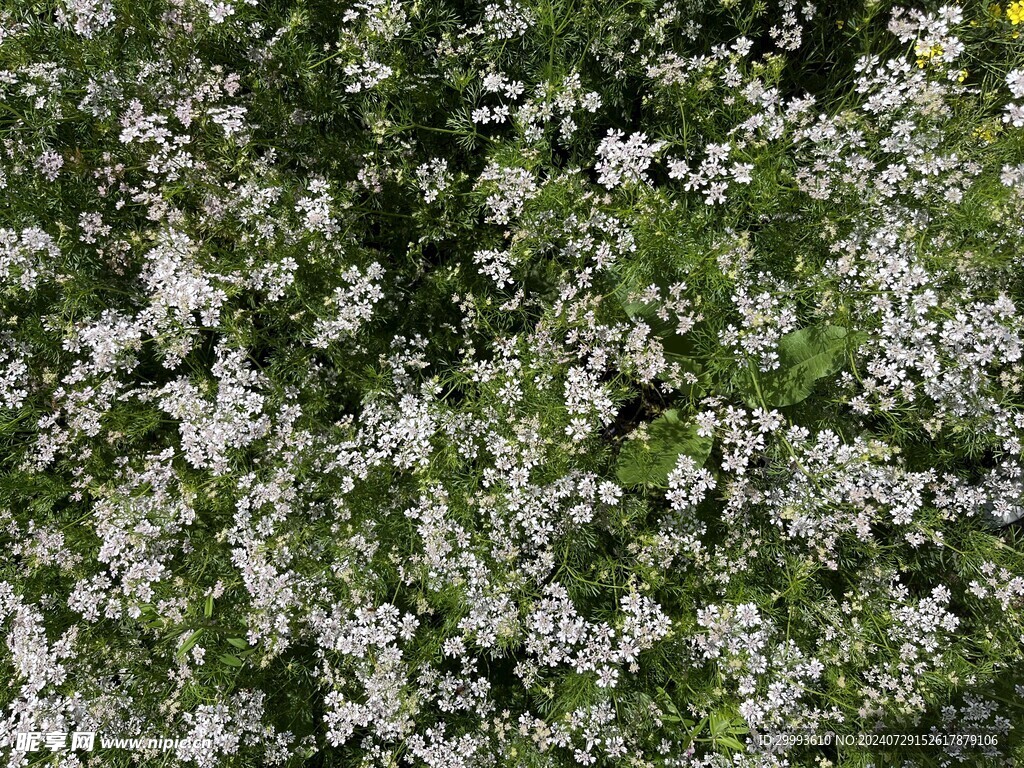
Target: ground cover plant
[{"x": 511, "y": 383}]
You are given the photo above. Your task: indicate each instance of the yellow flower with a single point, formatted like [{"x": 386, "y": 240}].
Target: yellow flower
[
  {"x": 985, "y": 134},
  {"x": 1015, "y": 12},
  {"x": 925, "y": 55}
]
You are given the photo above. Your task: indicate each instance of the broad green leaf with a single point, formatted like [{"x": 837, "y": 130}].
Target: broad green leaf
[
  {"x": 648, "y": 461},
  {"x": 231, "y": 661},
  {"x": 238, "y": 642},
  {"x": 805, "y": 356}
]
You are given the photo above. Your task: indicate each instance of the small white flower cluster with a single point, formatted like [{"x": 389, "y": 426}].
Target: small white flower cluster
[
  {"x": 1013, "y": 176},
  {"x": 764, "y": 320},
  {"x": 587, "y": 401},
  {"x": 86, "y": 17},
  {"x": 1014, "y": 111},
  {"x": 712, "y": 176},
  {"x": 1015, "y": 81},
  {"x": 553, "y": 99},
  {"x": 643, "y": 354},
  {"x": 400, "y": 432},
  {"x": 49, "y": 164},
  {"x": 263, "y": 561},
  {"x": 316, "y": 209},
  {"x": 231, "y": 119},
  {"x": 509, "y": 190},
  {"x": 946, "y": 357},
  {"x": 999, "y": 584},
  {"x": 140, "y": 535},
  {"x": 274, "y": 278},
  {"x": 924, "y": 629},
  {"x": 220, "y": 10},
  {"x": 24, "y": 256},
  {"x": 844, "y": 488},
  {"x": 434, "y": 178},
  {"x": 46, "y": 546},
  {"x": 771, "y": 677},
  {"x": 352, "y": 303},
  {"x": 369, "y": 643},
  {"x": 978, "y": 715},
  {"x": 901, "y": 109},
  {"x": 507, "y": 20},
  {"x": 179, "y": 291},
  {"x": 671, "y": 306},
  {"x": 112, "y": 339},
  {"x": 366, "y": 75},
  {"x": 688, "y": 484},
  {"x": 217, "y": 731},
  {"x": 137, "y": 127},
  {"x": 670, "y": 69},
  {"x": 367, "y": 28},
  {"x": 590, "y": 732},
  {"x": 744, "y": 434},
  {"x": 557, "y": 635},
  {"x": 13, "y": 378},
  {"x": 38, "y": 668},
  {"x": 496, "y": 82},
  {"x": 931, "y": 33},
  {"x": 789, "y": 34},
  {"x": 495, "y": 264},
  {"x": 387, "y": 18},
  {"x": 485, "y": 115},
  {"x": 597, "y": 237},
  {"x": 92, "y": 227},
  {"x": 233, "y": 420},
  {"x": 625, "y": 161}
]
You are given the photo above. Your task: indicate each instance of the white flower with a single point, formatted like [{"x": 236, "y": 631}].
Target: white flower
[
  {"x": 352, "y": 304},
  {"x": 1014, "y": 114},
  {"x": 1015, "y": 80},
  {"x": 433, "y": 178},
  {"x": 86, "y": 17},
  {"x": 623, "y": 162}
]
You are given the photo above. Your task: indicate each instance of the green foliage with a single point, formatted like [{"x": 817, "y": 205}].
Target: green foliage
[
  {"x": 805, "y": 357},
  {"x": 649, "y": 457},
  {"x": 347, "y": 350}
]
